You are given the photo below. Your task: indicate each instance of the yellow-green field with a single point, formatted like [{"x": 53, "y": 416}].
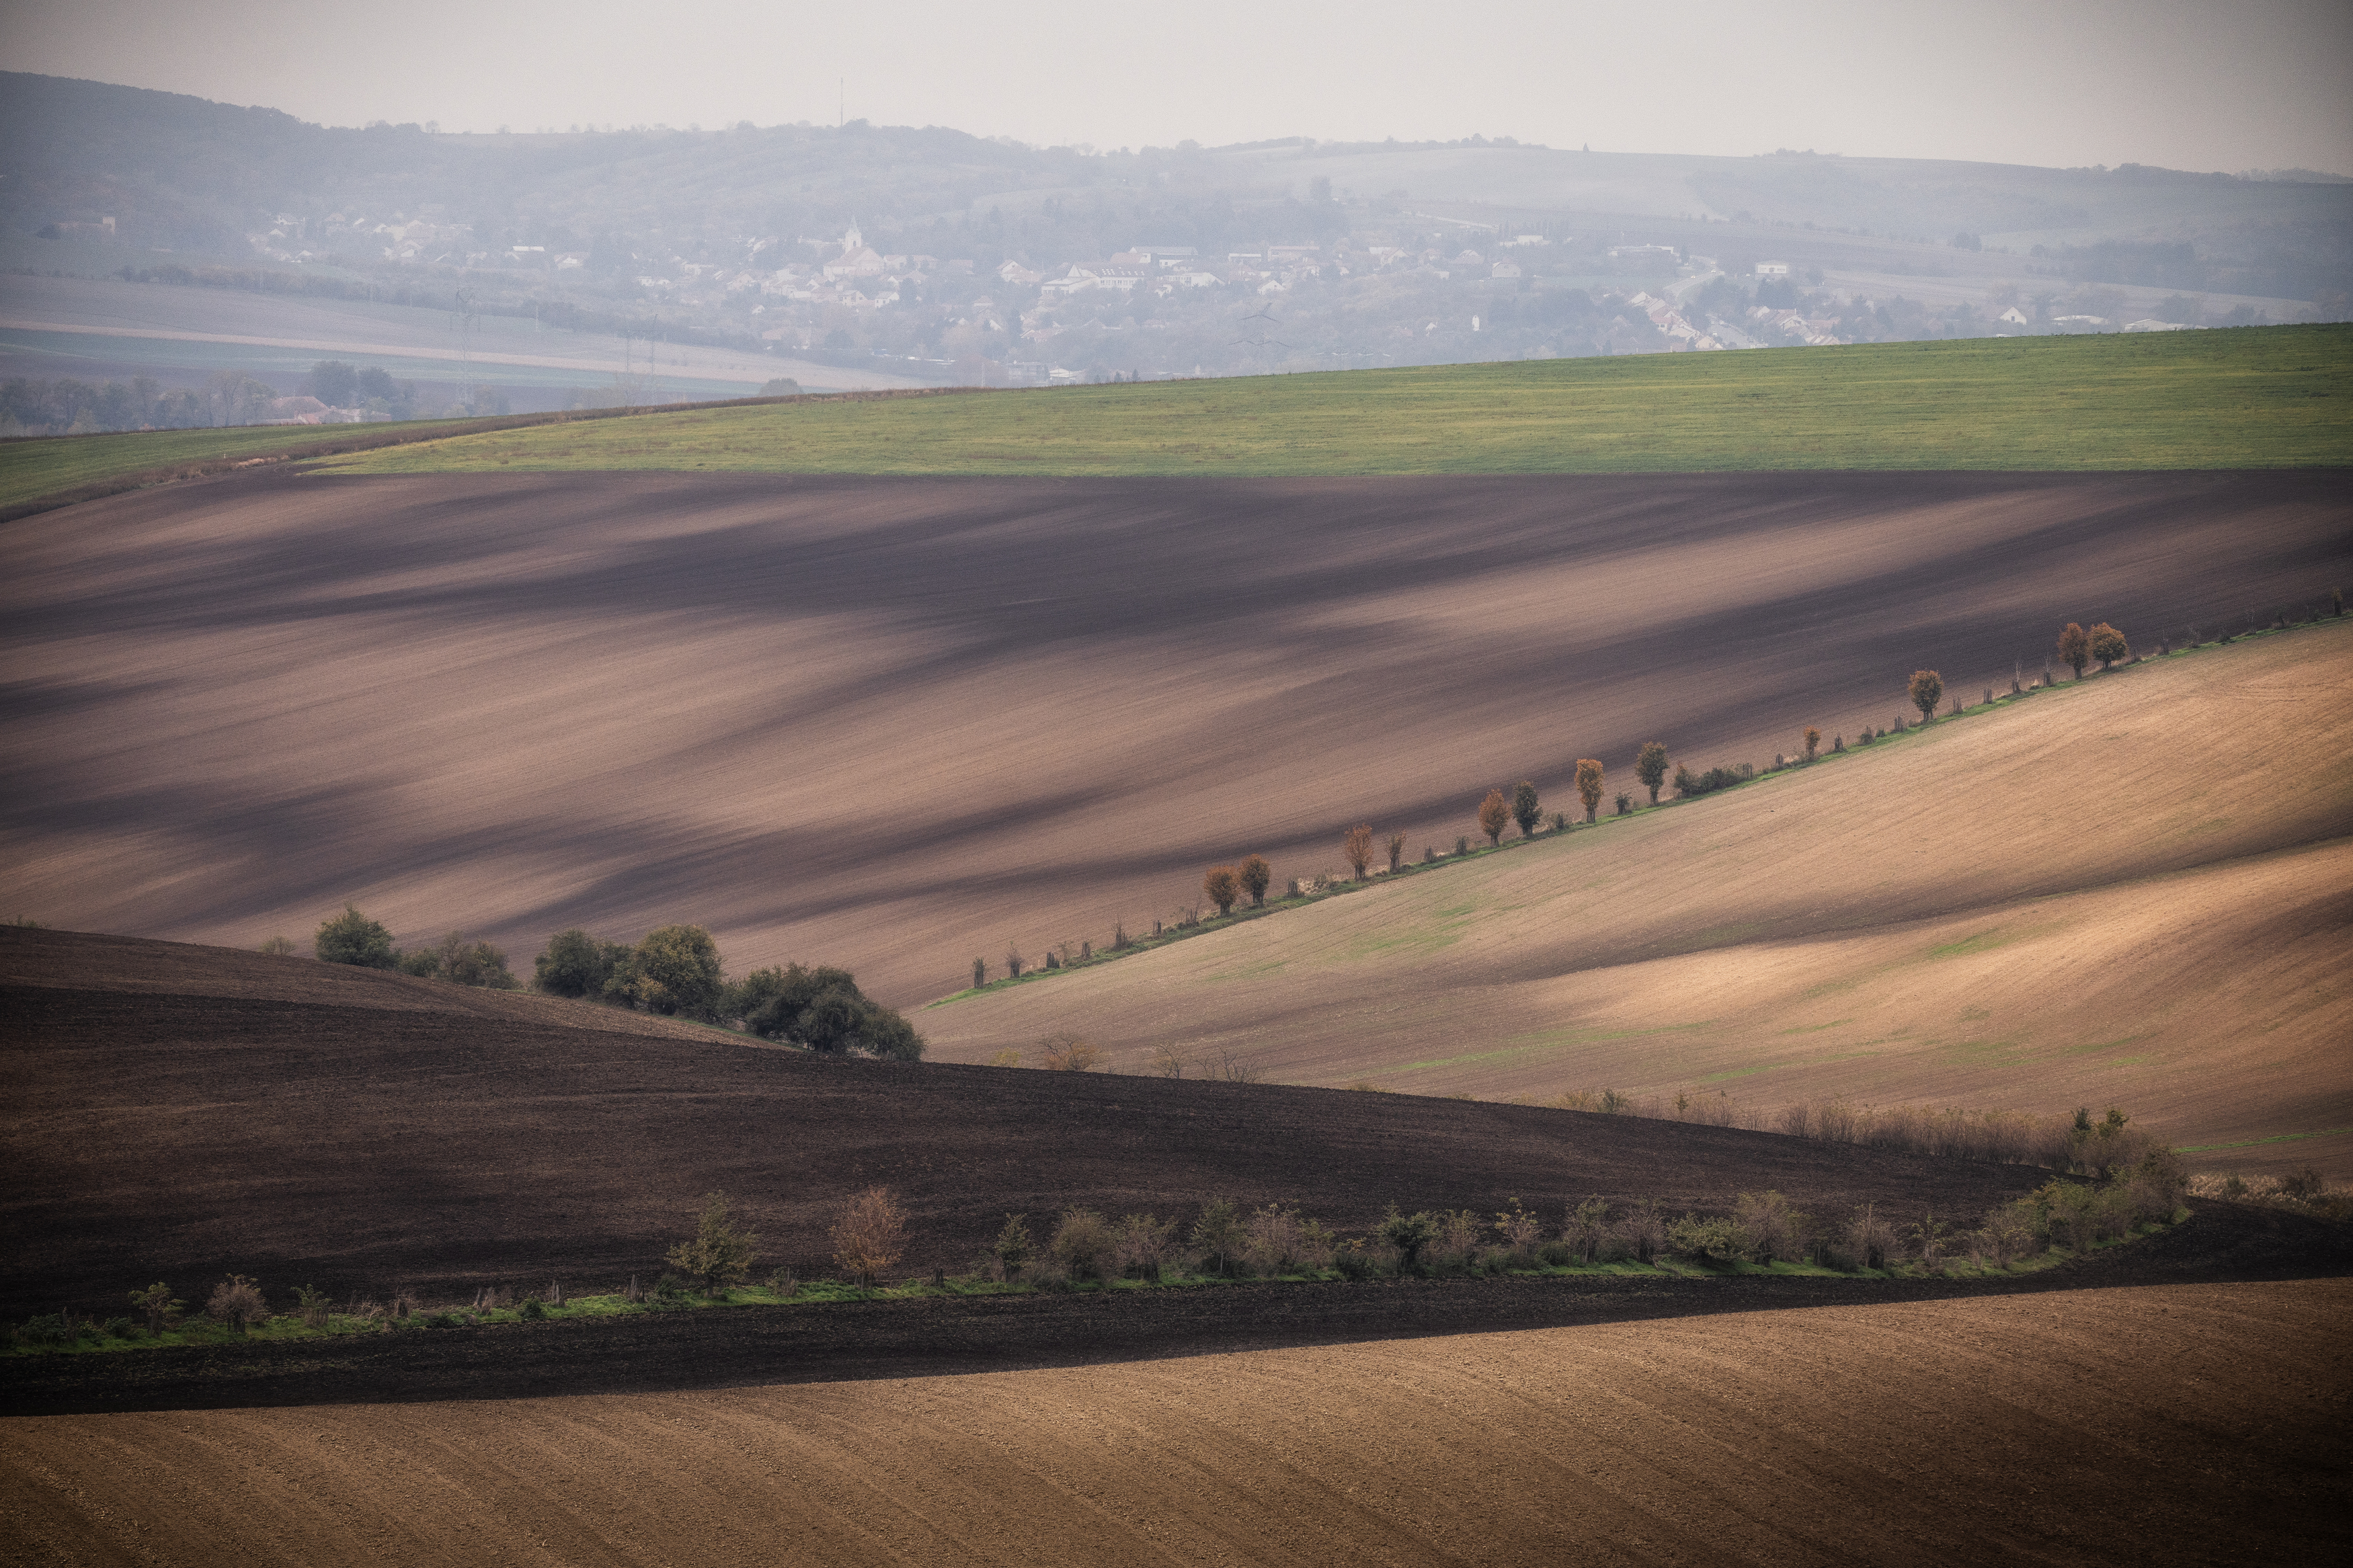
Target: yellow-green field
[{"x": 2253, "y": 398}]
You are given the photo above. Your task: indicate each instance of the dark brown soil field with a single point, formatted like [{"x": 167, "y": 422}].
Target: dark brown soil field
[
  {"x": 899, "y": 723},
  {"x": 307, "y": 1137}
]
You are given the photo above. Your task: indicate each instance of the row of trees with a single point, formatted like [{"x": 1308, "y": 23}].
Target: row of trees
[{"x": 675, "y": 970}]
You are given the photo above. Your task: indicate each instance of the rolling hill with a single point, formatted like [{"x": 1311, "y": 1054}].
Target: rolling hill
[
  {"x": 2127, "y": 891},
  {"x": 184, "y": 1112},
  {"x": 895, "y": 724}
]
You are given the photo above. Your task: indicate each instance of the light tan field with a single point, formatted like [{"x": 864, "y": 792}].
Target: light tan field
[
  {"x": 2131, "y": 891},
  {"x": 2173, "y": 1424}
]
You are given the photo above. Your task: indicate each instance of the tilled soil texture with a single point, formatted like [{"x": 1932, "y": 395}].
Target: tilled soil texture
[
  {"x": 2181, "y": 1424},
  {"x": 836, "y": 1342},
  {"x": 898, "y": 724},
  {"x": 182, "y": 1136},
  {"x": 2129, "y": 890}
]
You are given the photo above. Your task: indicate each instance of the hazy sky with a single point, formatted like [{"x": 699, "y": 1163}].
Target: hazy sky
[{"x": 2249, "y": 84}]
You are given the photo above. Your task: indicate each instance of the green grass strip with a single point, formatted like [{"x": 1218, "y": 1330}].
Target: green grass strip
[{"x": 2258, "y": 1142}]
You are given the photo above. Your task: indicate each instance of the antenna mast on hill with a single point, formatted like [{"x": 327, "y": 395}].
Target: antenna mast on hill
[{"x": 1261, "y": 340}]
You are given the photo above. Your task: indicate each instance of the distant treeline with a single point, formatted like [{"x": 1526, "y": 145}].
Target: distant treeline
[{"x": 70, "y": 408}]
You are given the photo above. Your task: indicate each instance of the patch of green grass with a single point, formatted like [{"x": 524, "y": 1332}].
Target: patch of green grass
[
  {"x": 1984, "y": 942},
  {"x": 2251, "y": 397}
]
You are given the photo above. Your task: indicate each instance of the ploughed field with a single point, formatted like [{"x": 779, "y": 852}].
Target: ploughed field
[
  {"x": 2128, "y": 891},
  {"x": 2190, "y": 1424},
  {"x": 282, "y": 1122},
  {"x": 897, "y": 724}
]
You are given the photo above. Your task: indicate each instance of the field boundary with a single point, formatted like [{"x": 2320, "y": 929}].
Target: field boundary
[
  {"x": 403, "y": 433},
  {"x": 2002, "y": 703}
]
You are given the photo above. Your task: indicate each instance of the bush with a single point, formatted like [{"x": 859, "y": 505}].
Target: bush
[
  {"x": 462, "y": 962},
  {"x": 237, "y": 1302},
  {"x": 49, "y": 1332},
  {"x": 1588, "y": 785},
  {"x": 1651, "y": 767},
  {"x": 719, "y": 1255},
  {"x": 822, "y": 1008},
  {"x": 1410, "y": 1234},
  {"x": 576, "y": 965},
  {"x": 1640, "y": 1233},
  {"x": 675, "y": 970},
  {"x": 1587, "y": 1226},
  {"x": 1223, "y": 884},
  {"x": 1519, "y": 1229},
  {"x": 1354, "y": 1262},
  {"x": 1770, "y": 1230},
  {"x": 1144, "y": 1246},
  {"x": 1708, "y": 1240},
  {"x": 353, "y": 938},
  {"x": 1085, "y": 1243},
  {"x": 1068, "y": 1053},
  {"x": 1870, "y": 1240},
  {"x": 155, "y": 1301},
  {"x": 1219, "y": 1235},
  {"x": 870, "y": 1236},
  {"x": 1013, "y": 1248},
  {"x": 1625, "y": 803},
  {"x": 1690, "y": 784},
  {"x": 311, "y": 1305},
  {"x": 1255, "y": 874},
  {"x": 279, "y": 947},
  {"x": 1525, "y": 811}
]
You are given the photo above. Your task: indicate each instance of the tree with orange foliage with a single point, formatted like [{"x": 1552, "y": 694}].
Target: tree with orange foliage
[
  {"x": 1926, "y": 688},
  {"x": 1813, "y": 741},
  {"x": 1224, "y": 885},
  {"x": 2108, "y": 645},
  {"x": 870, "y": 1236},
  {"x": 1256, "y": 874},
  {"x": 2076, "y": 647},
  {"x": 1356, "y": 846},
  {"x": 1588, "y": 785},
  {"x": 1493, "y": 813}
]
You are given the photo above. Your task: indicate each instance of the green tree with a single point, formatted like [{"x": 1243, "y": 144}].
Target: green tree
[
  {"x": 1410, "y": 1234},
  {"x": 1588, "y": 785},
  {"x": 719, "y": 1255},
  {"x": 1013, "y": 1248},
  {"x": 163, "y": 1312},
  {"x": 1223, "y": 884},
  {"x": 1219, "y": 1233},
  {"x": 1493, "y": 813},
  {"x": 1651, "y": 767},
  {"x": 2076, "y": 647},
  {"x": 674, "y": 970},
  {"x": 1926, "y": 688},
  {"x": 353, "y": 938},
  {"x": 1255, "y": 874},
  {"x": 1526, "y": 809},
  {"x": 823, "y": 1009},
  {"x": 576, "y": 965},
  {"x": 2108, "y": 645}
]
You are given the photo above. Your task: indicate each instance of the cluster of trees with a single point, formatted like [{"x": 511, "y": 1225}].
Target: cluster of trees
[
  {"x": 341, "y": 385},
  {"x": 674, "y": 970},
  {"x": 70, "y": 408}
]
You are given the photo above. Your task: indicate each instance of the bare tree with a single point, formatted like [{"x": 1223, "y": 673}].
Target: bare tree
[
  {"x": 1358, "y": 847},
  {"x": 870, "y": 1236}
]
